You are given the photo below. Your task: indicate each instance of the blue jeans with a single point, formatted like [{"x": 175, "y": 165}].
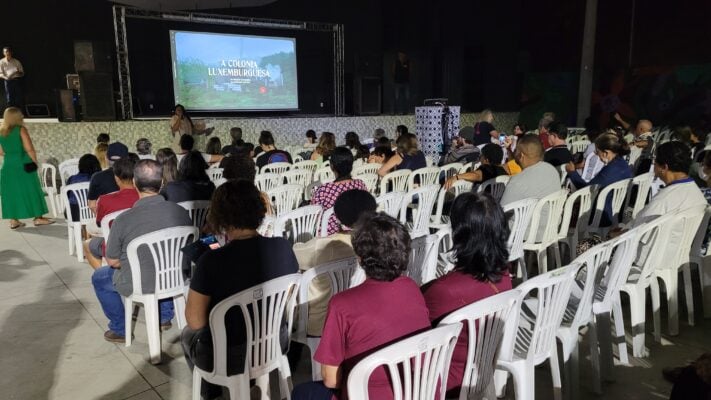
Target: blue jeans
[
  {"x": 112, "y": 303},
  {"x": 312, "y": 391}
]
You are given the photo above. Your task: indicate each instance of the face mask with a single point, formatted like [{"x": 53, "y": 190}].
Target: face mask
[{"x": 703, "y": 175}]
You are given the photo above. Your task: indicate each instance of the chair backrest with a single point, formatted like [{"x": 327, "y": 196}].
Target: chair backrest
[
  {"x": 308, "y": 165},
  {"x": 578, "y": 146},
  {"x": 276, "y": 168},
  {"x": 68, "y": 168},
  {"x": 370, "y": 168},
  {"x": 107, "y": 221},
  {"x": 264, "y": 307},
  {"x": 81, "y": 193},
  {"x": 690, "y": 219},
  {"x": 623, "y": 250},
  {"x": 324, "y": 174},
  {"x": 495, "y": 186},
  {"x": 325, "y": 216},
  {"x": 563, "y": 173},
  {"x": 219, "y": 182},
  {"x": 390, "y": 203},
  {"x": 266, "y": 229},
  {"x": 267, "y": 181},
  {"x": 593, "y": 262},
  {"x": 422, "y": 266},
  {"x": 583, "y": 197},
  {"x": 426, "y": 197},
  {"x": 552, "y": 293},
  {"x": 485, "y": 320},
  {"x": 451, "y": 169},
  {"x": 519, "y": 214},
  {"x": 472, "y": 166},
  {"x": 299, "y": 225},
  {"x": 424, "y": 176},
  {"x": 197, "y": 209},
  {"x": 214, "y": 173},
  {"x": 165, "y": 247},
  {"x": 417, "y": 366},
  {"x": 370, "y": 181},
  {"x": 298, "y": 177},
  {"x": 643, "y": 183},
  {"x": 701, "y": 233},
  {"x": 285, "y": 198},
  {"x": 593, "y": 165},
  {"x": 444, "y": 251},
  {"x": 653, "y": 237},
  {"x": 618, "y": 191},
  {"x": 48, "y": 178},
  {"x": 397, "y": 180},
  {"x": 547, "y": 213}
]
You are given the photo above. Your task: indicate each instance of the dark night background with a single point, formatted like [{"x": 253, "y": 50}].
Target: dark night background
[{"x": 508, "y": 55}]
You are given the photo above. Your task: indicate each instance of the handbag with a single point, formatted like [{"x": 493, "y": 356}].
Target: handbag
[{"x": 30, "y": 166}]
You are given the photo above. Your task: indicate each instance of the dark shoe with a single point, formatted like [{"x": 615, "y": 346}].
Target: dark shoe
[
  {"x": 164, "y": 326},
  {"x": 672, "y": 374},
  {"x": 113, "y": 337}
]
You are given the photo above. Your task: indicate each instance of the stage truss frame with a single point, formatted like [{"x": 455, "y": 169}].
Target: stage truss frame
[{"x": 121, "y": 13}]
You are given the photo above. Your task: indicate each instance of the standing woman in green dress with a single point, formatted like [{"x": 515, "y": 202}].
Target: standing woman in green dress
[{"x": 20, "y": 191}]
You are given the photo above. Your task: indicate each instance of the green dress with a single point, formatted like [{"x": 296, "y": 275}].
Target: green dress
[{"x": 20, "y": 191}]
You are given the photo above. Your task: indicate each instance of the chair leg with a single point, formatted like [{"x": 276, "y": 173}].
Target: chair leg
[
  {"x": 555, "y": 372},
  {"x": 556, "y": 249},
  {"x": 605, "y": 340},
  {"x": 239, "y": 387},
  {"x": 595, "y": 355},
  {"x": 688, "y": 292},
  {"x": 705, "y": 278},
  {"x": 197, "y": 385},
  {"x": 656, "y": 309},
  {"x": 620, "y": 330},
  {"x": 500, "y": 379},
  {"x": 179, "y": 305},
  {"x": 671, "y": 284},
  {"x": 312, "y": 344},
  {"x": 128, "y": 319},
  {"x": 638, "y": 322},
  {"x": 574, "y": 383},
  {"x": 153, "y": 329},
  {"x": 78, "y": 242},
  {"x": 262, "y": 382},
  {"x": 70, "y": 238},
  {"x": 543, "y": 261},
  {"x": 524, "y": 382},
  {"x": 285, "y": 385}
]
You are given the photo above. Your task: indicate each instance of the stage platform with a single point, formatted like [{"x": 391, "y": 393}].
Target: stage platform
[{"x": 62, "y": 140}]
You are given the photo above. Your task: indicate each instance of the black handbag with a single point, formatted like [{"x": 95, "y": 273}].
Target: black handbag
[{"x": 30, "y": 166}]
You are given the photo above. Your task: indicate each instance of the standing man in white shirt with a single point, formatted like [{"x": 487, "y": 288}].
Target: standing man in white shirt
[{"x": 11, "y": 71}]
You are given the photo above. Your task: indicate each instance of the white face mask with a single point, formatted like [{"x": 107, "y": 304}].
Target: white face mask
[{"x": 702, "y": 174}]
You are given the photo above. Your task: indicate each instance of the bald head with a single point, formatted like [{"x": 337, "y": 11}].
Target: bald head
[
  {"x": 644, "y": 126},
  {"x": 531, "y": 146},
  {"x": 148, "y": 177}
]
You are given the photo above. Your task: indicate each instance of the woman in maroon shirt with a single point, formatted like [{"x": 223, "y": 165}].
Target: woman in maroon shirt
[{"x": 480, "y": 233}]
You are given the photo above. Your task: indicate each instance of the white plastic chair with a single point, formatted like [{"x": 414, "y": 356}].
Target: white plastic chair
[
  {"x": 107, "y": 221},
  {"x": 325, "y": 216},
  {"x": 271, "y": 303},
  {"x": 643, "y": 183},
  {"x": 426, "y": 196},
  {"x": 370, "y": 181},
  {"x": 618, "y": 191},
  {"x": 299, "y": 225},
  {"x": 567, "y": 234},
  {"x": 529, "y": 338},
  {"x": 592, "y": 167},
  {"x": 578, "y": 146},
  {"x": 444, "y": 251},
  {"x": 167, "y": 260},
  {"x": 68, "y": 168},
  {"x": 324, "y": 174},
  {"x": 339, "y": 274},
  {"x": 438, "y": 220},
  {"x": 547, "y": 213},
  {"x": 219, "y": 182},
  {"x": 495, "y": 186},
  {"x": 519, "y": 213},
  {"x": 395, "y": 181},
  {"x": 430, "y": 161},
  {"x": 450, "y": 169},
  {"x": 472, "y": 166},
  {"x": 563, "y": 173},
  {"x": 86, "y": 216},
  {"x": 700, "y": 260},
  {"x": 48, "y": 179},
  {"x": 425, "y": 176},
  {"x": 197, "y": 209},
  {"x": 266, "y": 229},
  {"x": 307, "y": 165},
  {"x": 298, "y": 177},
  {"x": 370, "y": 168},
  {"x": 214, "y": 173},
  {"x": 286, "y": 198},
  {"x": 485, "y": 320},
  {"x": 267, "y": 181},
  {"x": 389, "y": 203},
  {"x": 276, "y": 168},
  {"x": 423, "y": 360},
  {"x": 422, "y": 266}
]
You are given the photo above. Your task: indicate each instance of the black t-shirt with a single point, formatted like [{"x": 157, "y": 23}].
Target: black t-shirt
[
  {"x": 482, "y": 133},
  {"x": 178, "y": 191},
  {"x": 273, "y": 156},
  {"x": 558, "y": 155},
  {"x": 237, "y": 266},
  {"x": 101, "y": 183},
  {"x": 489, "y": 171}
]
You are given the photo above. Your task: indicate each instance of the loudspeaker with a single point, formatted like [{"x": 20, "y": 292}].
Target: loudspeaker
[
  {"x": 91, "y": 56},
  {"x": 97, "y": 96},
  {"x": 368, "y": 96},
  {"x": 67, "y": 105},
  {"x": 37, "y": 110}
]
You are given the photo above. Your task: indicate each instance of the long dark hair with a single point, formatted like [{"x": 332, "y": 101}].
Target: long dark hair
[
  {"x": 185, "y": 114},
  {"x": 480, "y": 234},
  {"x": 192, "y": 168}
]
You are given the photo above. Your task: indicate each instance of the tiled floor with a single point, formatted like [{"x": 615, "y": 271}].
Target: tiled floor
[{"x": 51, "y": 344}]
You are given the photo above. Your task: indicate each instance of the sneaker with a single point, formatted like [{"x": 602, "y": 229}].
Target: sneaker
[
  {"x": 164, "y": 326},
  {"x": 113, "y": 337}
]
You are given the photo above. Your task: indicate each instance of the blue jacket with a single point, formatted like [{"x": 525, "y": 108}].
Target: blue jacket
[{"x": 614, "y": 171}]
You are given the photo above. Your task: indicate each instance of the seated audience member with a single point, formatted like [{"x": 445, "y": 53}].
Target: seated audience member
[
  {"x": 187, "y": 143},
  {"x": 643, "y": 145},
  {"x": 543, "y": 134},
  {"x": 88, "y": 166},
  {"x": 484, "y": 131},
  {"x": 143, "y": 148},
  {"x": 592, "y": 135},
  {"x": 490, "y": 168},
  {"x": 381, "y": 154},
  {"x": 381, "y": 310},
  {"x": 238, "y": 166},
  {"x": 213, "y": 146},
  {"x": 269, "y": 153},
  {"x": 611, "y": 150},
  {"x": 324, "y": 149},
  {"x": 348, "y": 208},
  {"x": 463, "y": 149},
  {"x": 103, "y": 138},
  {"x": 247, "y": 259},
  {"x": 103, "y": 182},
  {"x": 558, "y": 153},
  {"x": 236, "y": 136},
  {"x": 327, "y": 194},
  {"x": 353, "y": 142},
  {"x": 122, "y": 199},
  {"x": 362, "y": 153},
  {"x": 192, "y": 182},
  {"x": 311, "y": 140},
  {"x": 149, "y": 214},
  {"x": 697, "y": 139},
  {"x": 167, "y": 159},
  {"x": 384, "y": 141},
  {"x": 407, "y": 156},
  {"x": 518, "y": 130},
  {"x": 480, "y": 233},
  {"x": 378, "y": 134},
  {"x": 538, "y": 178},
  {"x": 100, "y": 153},
  {"x": 400, "y": 130}
]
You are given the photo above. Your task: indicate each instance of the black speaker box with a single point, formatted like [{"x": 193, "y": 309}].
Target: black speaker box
[
  {"x": 67, "y": 104},
  {"x": 97, "y": 96},
  {"x": 368, "y": 96},
  {"x": 92, "y": 56}
]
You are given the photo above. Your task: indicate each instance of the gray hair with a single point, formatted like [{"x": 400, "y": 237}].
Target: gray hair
[{"x": 148, "y": 176}]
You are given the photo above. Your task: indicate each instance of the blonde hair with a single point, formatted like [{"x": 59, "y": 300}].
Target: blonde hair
[
  {"x": 485, "y": 114},
  {"x": 100, "y": 151},
  {"x": 326, "y": 144},
  {"x": 11, "y": 118},
  {"x": 407, "y": 144}
]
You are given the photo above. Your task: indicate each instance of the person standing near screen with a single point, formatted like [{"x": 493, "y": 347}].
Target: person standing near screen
[
  {"x": 11, "y": 71},
  {"x": 401, "y": 78},
  {"x": 181, "y": 124}
]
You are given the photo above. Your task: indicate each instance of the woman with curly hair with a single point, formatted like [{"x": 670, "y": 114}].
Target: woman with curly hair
[
  {"x": 479, "y": 233},
  {"x": 326, "y": 145}
]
